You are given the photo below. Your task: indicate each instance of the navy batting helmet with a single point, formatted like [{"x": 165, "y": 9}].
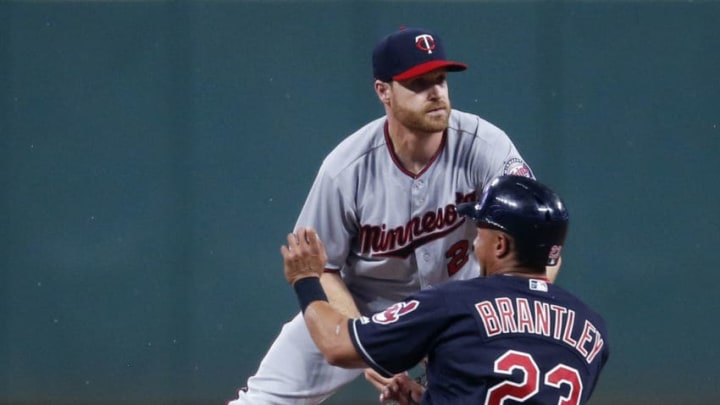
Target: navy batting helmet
[{"x": 530, "y": 212}]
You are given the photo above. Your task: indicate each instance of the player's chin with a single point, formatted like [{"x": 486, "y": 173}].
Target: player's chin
[{"x": 436, "y": 120}]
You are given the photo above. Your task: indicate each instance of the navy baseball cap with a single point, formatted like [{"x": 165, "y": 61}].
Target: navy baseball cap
[{"x": 408, "y": 53}]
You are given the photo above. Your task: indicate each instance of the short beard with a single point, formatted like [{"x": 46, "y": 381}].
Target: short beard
[{"x": 421, "y": 122}]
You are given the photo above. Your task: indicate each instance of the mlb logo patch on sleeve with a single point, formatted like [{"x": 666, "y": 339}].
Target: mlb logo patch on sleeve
[{"x": 517, "y": 167}]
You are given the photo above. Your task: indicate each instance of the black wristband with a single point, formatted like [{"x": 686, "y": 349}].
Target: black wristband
[{"x": 308, "y": 289}]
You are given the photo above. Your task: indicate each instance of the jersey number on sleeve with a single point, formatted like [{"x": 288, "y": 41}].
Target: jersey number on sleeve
[
  {"x": 518, "y": 361},
  {"x": 458, "y": 255}
]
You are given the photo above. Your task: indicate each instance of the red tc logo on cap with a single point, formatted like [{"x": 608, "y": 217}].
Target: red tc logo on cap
[{"x": 425, "y": 42}]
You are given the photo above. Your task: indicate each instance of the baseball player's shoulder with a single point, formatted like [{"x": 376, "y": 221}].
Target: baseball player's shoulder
[
  {"x": 468, "y": 125},
  {"x": 453, "y": 289},
  {"x": 356, "y": 147},
  {"x": 563, "y": 295},
  {"x": 456, "y": 295}
]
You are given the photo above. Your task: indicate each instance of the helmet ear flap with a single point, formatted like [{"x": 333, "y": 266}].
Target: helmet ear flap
[{"x": 532, "y": 215}]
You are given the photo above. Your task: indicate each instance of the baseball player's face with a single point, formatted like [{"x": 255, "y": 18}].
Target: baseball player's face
[
  {"x": 422, "y": 104},
  {"x": 481, "y": 249},
  {"x": 489, "y": 245}
]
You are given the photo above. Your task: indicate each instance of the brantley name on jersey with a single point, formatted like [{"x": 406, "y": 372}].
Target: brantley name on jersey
[{"x": 505, "y": 315}]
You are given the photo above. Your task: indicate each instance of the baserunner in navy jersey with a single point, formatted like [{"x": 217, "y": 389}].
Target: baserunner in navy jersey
[{"x": 509, "y": 336}]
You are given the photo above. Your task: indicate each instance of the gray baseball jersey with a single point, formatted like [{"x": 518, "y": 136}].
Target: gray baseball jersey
[{"x": 390, "y": 232}]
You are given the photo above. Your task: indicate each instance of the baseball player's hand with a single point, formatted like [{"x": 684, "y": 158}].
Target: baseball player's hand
[
  {"x": 399, "y": 389},
  {"x": 304, "y": 255},
  {"x": 377, "y": 380}
]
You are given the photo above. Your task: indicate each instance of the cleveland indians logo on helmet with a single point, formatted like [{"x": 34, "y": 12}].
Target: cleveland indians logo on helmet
[
  {"x": 554, "y": 255},
  {"x": 425, "y": 42},
  {"x": 394, "y": 312}
]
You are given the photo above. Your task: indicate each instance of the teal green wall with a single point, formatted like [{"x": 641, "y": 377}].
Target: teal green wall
[{"x": 154, "y": 154}]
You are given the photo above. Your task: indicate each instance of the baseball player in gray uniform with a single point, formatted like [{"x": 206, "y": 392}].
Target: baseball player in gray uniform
[{"x": 384, "y": 203}]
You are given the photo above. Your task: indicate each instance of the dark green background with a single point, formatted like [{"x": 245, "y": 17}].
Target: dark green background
[{"x": 154, "y": 154}]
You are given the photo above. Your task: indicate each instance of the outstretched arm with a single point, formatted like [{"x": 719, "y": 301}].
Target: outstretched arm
[
  {"x": 329, "y": 330},
  {"x": 338, "y": 294},
  {"x": 304, "y": 260}
]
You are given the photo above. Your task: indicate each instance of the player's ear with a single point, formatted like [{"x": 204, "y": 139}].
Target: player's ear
[
  {"x": 503, "y": 245},
  {"x": 382, "y": 89}
]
